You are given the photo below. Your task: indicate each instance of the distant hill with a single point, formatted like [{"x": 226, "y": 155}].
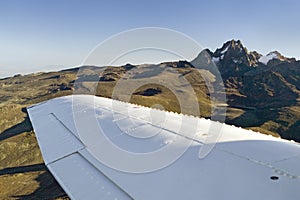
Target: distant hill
[{"x": 262, "y": 94}]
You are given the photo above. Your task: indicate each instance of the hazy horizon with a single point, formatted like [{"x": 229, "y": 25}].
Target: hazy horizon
[{"x": 54, "y": 35}]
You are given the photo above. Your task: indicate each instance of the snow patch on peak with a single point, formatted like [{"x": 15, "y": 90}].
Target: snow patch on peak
[
  {"x": 225, "y": 50},
  {"x": 268, "y": 57},
  {"x": 215, "y": 59}
]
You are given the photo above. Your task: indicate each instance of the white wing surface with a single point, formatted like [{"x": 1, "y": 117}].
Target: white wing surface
[{"x": 97, "y": 148}]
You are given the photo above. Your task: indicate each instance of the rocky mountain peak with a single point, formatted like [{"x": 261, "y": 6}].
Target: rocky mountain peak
[
  {"x": 234, "y": 53},
  {"x": 229, "y": 46},
  {"x": 233, "y": 59}
]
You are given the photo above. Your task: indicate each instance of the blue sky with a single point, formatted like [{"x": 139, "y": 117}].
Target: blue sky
[{"x": 49, "y": 35}]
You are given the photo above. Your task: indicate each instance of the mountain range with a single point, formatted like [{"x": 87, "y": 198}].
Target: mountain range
[{"x": 266, "y": 88}]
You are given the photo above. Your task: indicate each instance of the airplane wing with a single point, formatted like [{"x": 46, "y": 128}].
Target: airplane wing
[{"x": 99, "y": 148}]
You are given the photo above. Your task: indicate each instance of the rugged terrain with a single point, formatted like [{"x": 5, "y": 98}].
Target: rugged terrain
[
  {"x": 262, "y": 94},
  {"x": 265, "y": 88}
]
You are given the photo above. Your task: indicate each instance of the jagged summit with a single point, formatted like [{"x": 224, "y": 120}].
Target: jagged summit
[
  {"x": 233, "y": 45},
  {"x": 233, "y": 52},
  {"x": 234, "y": 58}
]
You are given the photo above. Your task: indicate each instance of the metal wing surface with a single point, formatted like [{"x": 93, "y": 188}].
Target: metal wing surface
[{"x": 99, "y": 148}]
